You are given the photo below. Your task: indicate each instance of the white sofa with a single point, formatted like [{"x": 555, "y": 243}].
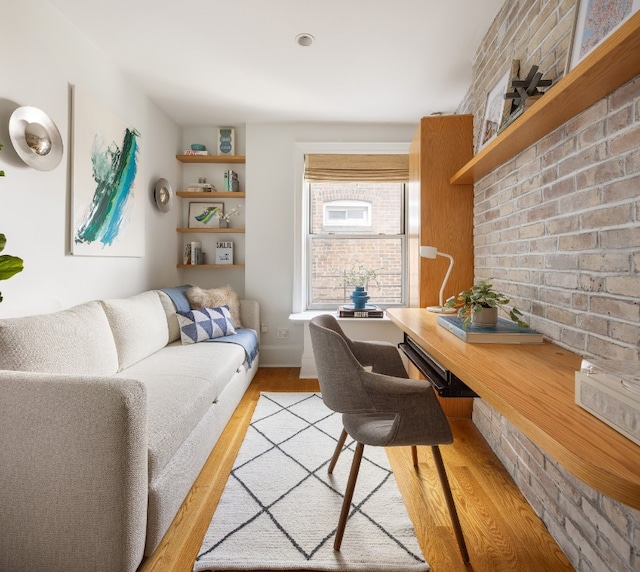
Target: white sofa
[{"x": 106, "y": 420}]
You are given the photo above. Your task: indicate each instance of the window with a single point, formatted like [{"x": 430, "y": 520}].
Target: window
[
  {"x": 353, "y": 222},
  {"x": 347, "y": 214}
]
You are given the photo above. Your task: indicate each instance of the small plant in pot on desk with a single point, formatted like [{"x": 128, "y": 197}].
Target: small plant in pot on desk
[{"x": 480, "y": 304}]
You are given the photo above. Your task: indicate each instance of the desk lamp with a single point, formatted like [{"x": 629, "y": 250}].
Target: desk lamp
[{"x": 432, "y": 252}]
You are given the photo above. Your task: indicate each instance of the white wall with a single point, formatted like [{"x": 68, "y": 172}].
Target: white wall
[
  {"x": 42, "y": 55},
  {"x": 272, "y": 196}
]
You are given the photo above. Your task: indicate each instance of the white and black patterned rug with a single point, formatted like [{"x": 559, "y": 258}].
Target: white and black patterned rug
[{"x": 280, "y": 508}]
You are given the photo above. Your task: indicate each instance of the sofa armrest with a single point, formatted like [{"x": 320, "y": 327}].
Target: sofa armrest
[
  {"x": 73, "y": 472},
  {"x": 250, "y": 315}
]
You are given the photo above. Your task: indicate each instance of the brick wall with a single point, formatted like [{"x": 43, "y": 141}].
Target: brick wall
[{"x": 557, "y": 229}]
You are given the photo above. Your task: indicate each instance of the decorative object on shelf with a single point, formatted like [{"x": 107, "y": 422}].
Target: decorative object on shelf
[
  {"x": 107, "y": 203},
  {"x": 192, "y": 152},
  {"x": 35, "y": 138},
  {"x": 198, "y": 147},
  {"x": 9, "y": 265},
  {"x": 205, "y": 215},
  {"x": 477, "y": 300},
  {"x": 497, "y": 108},
  {"x": 595, "y": 21},
  {"x": 224, "y": 252},
  {"x": 527, "y": 88},
  {"x": 359, "y": 297},
  {"x": 163, "y": 195},
  {"x": 231, "y": 181},
  {"x": 432, "y": 252},
  {"x": 224, "y": 219},
  {"x": 359, "y": 276},
  {"x": 226, "y": 141}
]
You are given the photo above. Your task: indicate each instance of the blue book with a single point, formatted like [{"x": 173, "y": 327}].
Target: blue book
[{"x": 504, "y": 332}]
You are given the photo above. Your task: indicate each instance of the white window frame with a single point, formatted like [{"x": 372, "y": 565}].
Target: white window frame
[
  {"x": 301, "y": 206},
  {"x": 332, "y": 206}
]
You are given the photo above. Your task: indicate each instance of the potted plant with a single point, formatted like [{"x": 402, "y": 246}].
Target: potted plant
[
  {"x": 480, "y": 304},
  {"x": 9, "y": 265}
]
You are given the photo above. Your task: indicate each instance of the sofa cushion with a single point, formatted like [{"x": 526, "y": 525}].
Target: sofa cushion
[
  {"x": 139, "y": 326},
  {"x": 170, "y": 313},
  {"x": 214, "y": 297},
  {"x": 73, "y": 341},
  {"x": 205, "y": 324},
  {"x": 182, "y": 382}
]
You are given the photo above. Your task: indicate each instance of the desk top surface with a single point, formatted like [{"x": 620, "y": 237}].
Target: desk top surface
[{"x": 533, "y": 386}]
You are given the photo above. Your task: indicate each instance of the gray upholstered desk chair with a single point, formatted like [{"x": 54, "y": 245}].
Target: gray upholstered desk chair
[{"x": 381, "y": 407}]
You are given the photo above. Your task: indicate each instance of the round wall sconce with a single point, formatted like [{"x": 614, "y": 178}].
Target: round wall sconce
[
  {"x": 163, "y": 195},
  {"x": 35, "y": 138}
]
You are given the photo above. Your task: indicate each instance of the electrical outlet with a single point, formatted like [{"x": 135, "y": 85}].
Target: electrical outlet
[
  {"x": 282, "y": 333},
  {"x": 264, "y": 328}
]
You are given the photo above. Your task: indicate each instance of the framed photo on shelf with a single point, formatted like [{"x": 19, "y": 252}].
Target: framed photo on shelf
[
  {"x": 203, "y": 215},
  {"x": 497, "y": 108},
  {"x": 596, "y": 21}
]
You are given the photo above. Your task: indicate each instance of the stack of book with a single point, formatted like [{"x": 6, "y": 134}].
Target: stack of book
[
  {"x": 192, "y": 152},
  {"x": 504, "y": 332},
  {"x": 368, "y": 311}
]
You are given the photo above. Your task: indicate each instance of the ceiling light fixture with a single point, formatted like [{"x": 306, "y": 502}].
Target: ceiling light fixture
[{"x": 304, "y": 40}]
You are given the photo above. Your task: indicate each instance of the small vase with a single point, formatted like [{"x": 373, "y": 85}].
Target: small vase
[
  {"x": 223, "y": 224},
  {"x": 486, "y": 317},
  {"x": 359, "y": 297}
]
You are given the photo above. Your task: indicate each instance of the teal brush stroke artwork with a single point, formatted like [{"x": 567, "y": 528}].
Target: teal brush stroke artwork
[
  {"x": 207, "y": 215},
  {"x": 114, "y": 171}
]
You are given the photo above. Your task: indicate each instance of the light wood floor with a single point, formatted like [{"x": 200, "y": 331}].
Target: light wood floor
[{"x": 501, "y": 530}]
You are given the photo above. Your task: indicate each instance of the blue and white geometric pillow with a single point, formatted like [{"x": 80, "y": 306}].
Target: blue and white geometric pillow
[{"x": 205, "y": 324}]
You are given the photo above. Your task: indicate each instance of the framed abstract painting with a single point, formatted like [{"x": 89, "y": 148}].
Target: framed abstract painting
[{"x": 107, "y": 198}]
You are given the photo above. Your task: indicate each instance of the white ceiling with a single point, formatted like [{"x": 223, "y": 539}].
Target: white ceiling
[{"x": 236, "y": 61}]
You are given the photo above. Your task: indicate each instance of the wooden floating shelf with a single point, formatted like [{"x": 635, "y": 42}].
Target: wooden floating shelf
[
  {"x": 210, "y": 194},
  {"x": 220, "y": 159},
  {"x": 212, "y": 230},
  {"x": 210, "y": 266},
  {"x": 610, "y": 65}
]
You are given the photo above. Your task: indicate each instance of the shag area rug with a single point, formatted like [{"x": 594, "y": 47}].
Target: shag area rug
[{"x": 279, "y": 509}]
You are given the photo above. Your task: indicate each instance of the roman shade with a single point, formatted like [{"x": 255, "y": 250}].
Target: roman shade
[{"x": 357, "y": 168}]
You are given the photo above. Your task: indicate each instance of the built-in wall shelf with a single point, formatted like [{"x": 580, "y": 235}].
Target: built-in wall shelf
[
  {"x": 211, "y": 230},
  {"x": 220, "y": 159},
  {"x": 211, "y": 194},
  {"x": 610, "y": 65},
  {"x": 210, "y": 266}
]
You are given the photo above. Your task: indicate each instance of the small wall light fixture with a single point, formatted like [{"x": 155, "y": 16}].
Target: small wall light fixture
[{"x": 432, "y": 252}]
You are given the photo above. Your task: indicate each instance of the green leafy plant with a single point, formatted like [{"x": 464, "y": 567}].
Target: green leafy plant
[
  {"x": 9, "y": 265},
  {"x": 481, "y": 296}
]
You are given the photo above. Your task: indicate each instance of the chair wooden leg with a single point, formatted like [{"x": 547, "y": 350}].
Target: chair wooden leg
[
  {"x": 437, "y": 456},
  {"x": 336, "y": 453},
  {"x": 414, "y": 455},
  {"x": 348, "y": 495}
]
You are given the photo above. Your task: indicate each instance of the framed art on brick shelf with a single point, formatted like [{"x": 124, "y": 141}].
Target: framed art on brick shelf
[
  {"x": 497, "y": 108},
  {"x": 596, "y": 21}
]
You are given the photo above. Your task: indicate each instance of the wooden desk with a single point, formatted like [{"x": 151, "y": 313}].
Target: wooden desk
[{"x": 533, "y": 387}]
